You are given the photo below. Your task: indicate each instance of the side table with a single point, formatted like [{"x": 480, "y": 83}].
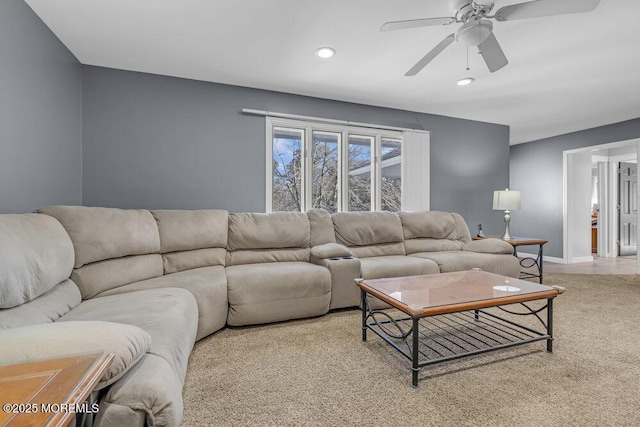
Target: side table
[
  {"x": 51, "y": 392},
  {"x": 526, "y": 262}
]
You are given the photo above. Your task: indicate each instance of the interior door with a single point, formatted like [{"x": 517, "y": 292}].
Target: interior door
[{"x": 627, "y": 208}]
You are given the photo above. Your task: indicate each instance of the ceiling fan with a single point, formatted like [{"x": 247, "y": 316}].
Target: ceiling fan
[{"x": 477, "y": 29}]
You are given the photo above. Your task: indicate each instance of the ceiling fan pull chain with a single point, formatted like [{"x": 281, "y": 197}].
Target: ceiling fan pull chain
[{"x": 468, "y": 58}]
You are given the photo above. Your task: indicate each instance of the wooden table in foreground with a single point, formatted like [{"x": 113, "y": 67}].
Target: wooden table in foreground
[
  {"x": 526, "y": 262},
  {"x": 50, "y": 392},
  {"x": 445, "y": 316}
]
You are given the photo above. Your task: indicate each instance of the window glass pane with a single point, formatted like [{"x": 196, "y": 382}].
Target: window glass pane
[
  {"x": 324, "y": 178},
  {"x": 287, "y": 177},
  {"x": 359, "y": 181},
  {"x": 391, "y": 167}
]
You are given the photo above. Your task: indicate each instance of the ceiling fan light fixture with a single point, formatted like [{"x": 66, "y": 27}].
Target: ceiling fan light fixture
[
  {"x": 465, "y": 81},
  {"x": 474, "y": 32},
  {"x": 325, "y": 52}
]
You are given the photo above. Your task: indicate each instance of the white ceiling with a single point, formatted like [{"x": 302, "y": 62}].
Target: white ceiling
[{"x": 565, "y": 73}]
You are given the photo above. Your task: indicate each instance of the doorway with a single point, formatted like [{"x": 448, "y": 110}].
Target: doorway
[
  {"x": 627, "y": 208},
  {"x": 580, "y": 206}
]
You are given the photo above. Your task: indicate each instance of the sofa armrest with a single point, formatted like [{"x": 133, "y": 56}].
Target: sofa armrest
[
  {"x": 488, "y": 246},
  {"x": 344, "y": 271},
  {"x": 330, "y": 250},
  {"x": 128, "y": 343}
]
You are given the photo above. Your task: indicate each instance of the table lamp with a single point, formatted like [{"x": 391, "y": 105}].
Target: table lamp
[{"x": 506, "y": 200}]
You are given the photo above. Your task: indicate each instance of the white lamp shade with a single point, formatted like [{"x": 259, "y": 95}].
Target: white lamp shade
[{"x": 506, "y": 200}]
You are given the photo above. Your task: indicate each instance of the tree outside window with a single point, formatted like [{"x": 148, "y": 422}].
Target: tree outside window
[{"x": 297, "y": 185}]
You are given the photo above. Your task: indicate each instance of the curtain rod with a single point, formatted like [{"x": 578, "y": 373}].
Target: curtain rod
[{"x": 323, "y": 120}]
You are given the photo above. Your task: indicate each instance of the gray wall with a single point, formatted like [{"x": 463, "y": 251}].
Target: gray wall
[
  {"x": 160, "y": 142},
  {"x": 40, "y": 114},
  {"x": 536, "y": 170}
]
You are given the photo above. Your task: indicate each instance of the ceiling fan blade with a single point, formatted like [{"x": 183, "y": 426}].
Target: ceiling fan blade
[
  {"x": 492, "y": 53},
  {"x": 430, "y": 56},
  {"x": 536, "y": 9},
  {"x": 413, "y": 23}
]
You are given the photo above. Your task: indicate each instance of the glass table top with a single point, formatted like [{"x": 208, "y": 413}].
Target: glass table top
[{"x": 448, "y": 289}]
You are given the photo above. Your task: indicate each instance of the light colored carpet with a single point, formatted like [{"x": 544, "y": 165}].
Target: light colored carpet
[{"x": 318, "y": 372}]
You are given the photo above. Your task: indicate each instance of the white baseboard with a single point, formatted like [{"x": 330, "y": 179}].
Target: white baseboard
[{"x": 545, "y": 258}]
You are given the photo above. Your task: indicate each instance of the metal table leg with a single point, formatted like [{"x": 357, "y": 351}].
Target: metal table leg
[
  {"x": 365, "y": 310},
  {"x": 540, "y": 261},
  {"x": 415, "y": 368},
  {"x": 550, "y": 325},
  {"x": 537, "y": 262}
]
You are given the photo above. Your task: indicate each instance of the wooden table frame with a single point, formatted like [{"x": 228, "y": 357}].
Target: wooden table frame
[{"x": 47, "y": 392}]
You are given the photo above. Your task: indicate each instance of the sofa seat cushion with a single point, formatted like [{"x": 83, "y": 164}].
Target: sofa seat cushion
[
  {"x": 271, "y": 292},
  {"x": 396, "y": 266},
  {"x": 504, "y": 264},
  {"x": 168, "y": 315},
  {"x": 208, "y": 285},
  {"x": 50, "y": 340}
]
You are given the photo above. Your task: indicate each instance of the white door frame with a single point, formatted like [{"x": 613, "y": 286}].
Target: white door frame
[{"x": 568, "y": 179}]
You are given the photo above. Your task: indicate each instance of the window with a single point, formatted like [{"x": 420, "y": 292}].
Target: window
[
  {"x": 287, "y": 173},
  {"x": 341, "y": 168},
  {"x": 360, "y": 159},
  {"x": 324, "y": 170},
  {"x": 391, "y": 166}
]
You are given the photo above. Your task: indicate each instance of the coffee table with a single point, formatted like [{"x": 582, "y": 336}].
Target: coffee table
[{"x": 442, "y": 317}]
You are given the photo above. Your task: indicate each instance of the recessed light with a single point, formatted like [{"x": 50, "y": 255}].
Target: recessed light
[
  {"x": 325, "y": 52},
  {"x": 465, "y": 81}
]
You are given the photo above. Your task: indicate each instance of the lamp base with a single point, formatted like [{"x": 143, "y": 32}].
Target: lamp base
[{"x": 507, "y": 234}]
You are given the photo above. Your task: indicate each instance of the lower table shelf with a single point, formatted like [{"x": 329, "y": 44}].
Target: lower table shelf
[{"x": 451, "y": 336}]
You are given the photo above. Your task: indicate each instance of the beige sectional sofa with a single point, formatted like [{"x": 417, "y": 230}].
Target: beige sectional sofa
[{"x": 147, "y": 284}]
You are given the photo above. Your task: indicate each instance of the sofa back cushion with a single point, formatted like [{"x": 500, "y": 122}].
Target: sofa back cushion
[
  {"x": 192, "y": 238},
  {"x": 433, "y": 231},
  {"x": 369, "y": 233},
  {"x": 321, "y": 227},
  {"x": 105, "y": 233},
  {"x": 113, "y": 247},
  {"x": 35, "y": 255},
  {"x": 462, "y": 229},
  {"x": 47, "y": 308},
  {"x": 268, "y": 237},
  {"x": 99, "y": 277}
]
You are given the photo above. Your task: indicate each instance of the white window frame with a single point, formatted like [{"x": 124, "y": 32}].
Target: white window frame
[{"x": 343, "y": 143}]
